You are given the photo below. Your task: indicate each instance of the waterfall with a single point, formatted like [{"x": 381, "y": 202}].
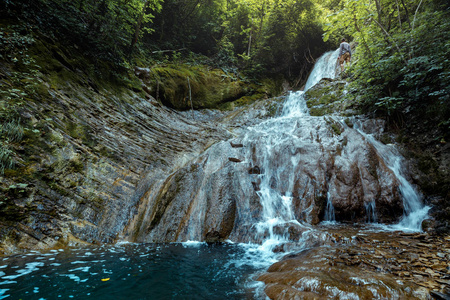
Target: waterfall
[
  {"x": 371, "y": 212},
  {"x": 329, "y": 211},
  {"x": 325, "y": 67},
  {"x": 278, "y": 217},
  {"x": 414, "y": 210},
  {"x": 275, "y": 135},
  {"x": 277, "y": 178}
]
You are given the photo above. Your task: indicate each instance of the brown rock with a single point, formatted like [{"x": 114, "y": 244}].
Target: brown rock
[
  {"x": 443, "y": 281},
  {"x": 254, "y": 170},
  {"x": 212, "y": 237},
  {"x": 431, "y": 272},
  {"x": 236, "y": 145},
  {"x": 236, "y": 160},
  {"x": 256, "y": 186}
]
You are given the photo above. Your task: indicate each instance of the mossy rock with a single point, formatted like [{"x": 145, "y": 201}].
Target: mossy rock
[
  {"x": 326, "y": 97},
  {"x": 176, "y": 85}
]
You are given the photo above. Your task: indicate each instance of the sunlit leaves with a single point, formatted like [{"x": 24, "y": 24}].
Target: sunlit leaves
[{"x": 401, "y": 53}]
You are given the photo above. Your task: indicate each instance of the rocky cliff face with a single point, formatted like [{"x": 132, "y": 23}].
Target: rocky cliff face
[
  {"x": 93, "y": 152},
  {"x": 220, "y": 191},
  {"x": 87, "y": 158},
  {"x": 106, "y": 167},
  {"x": 99, "y": 164}
]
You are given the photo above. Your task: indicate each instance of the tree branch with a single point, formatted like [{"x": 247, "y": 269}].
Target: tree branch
[{"x": 163, "y": 51}]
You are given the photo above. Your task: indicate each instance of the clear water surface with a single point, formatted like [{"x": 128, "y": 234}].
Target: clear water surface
[{"x": 131, "y": 271}]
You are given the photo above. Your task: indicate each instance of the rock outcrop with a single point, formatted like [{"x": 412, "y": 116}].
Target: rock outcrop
[
  {"x": 310, "y": 161},
  {"x": 87, "y": 158},
  {"x": 354, "y": 263}
]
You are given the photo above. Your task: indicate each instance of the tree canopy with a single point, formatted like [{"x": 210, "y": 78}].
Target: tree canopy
[{"x": 401, "y": 53}]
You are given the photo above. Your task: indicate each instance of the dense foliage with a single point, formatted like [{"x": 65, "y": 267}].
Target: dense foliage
[
  {"x": 402, "y": 45},
  {"x": 402, "y": 55},
  {"x": 264, "y": 38},
  {"x": 269, "y": 37},
  {"x": 107, "y": 29}
]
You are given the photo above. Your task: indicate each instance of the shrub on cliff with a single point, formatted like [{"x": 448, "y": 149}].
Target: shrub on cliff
[{"x": 401, "y": 62}]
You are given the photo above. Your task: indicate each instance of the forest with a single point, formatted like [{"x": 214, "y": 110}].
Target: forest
[{"x": 401, "y": 57}]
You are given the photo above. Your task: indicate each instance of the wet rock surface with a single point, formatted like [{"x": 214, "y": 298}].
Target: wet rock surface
[
  {"x": 359, "y": 263},
  {"x": 305, "y": 160},
  {"x": 92, "y": 156}
]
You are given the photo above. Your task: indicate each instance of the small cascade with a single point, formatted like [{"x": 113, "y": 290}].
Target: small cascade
[
  {"x": 277, "y": 218},
  {"x": 371, "y": 212},
  {"x": 329, "y": 211},
  {"x": 295, "y": 105},
  {"x": 415, "y": 212},
  {"x": 325, "y": 67}
]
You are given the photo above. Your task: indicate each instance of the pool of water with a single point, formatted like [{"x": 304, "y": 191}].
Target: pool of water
[{"x": 132, "y": 271}]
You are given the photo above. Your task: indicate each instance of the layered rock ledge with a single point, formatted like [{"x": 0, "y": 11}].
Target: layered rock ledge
[{"x": 356, "y": 263}]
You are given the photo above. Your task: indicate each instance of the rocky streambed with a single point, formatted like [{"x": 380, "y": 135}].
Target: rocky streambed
[{"x": 359, "y": 262}]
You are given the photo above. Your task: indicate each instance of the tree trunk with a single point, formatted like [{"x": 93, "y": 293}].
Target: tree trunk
[
  {"x": 249, "y": 44},
  {"x": 407, "y": 14},
  {"x": 137, "y": 30},
  {"x": 399, "y": 17}
]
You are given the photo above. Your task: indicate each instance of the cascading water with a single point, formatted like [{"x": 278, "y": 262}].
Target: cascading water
[
  {"x": 414, "y": 210},
  {"x": 329, "y": 210},
  {"x": 273, "y": 136},
  {"x": 326, "y": 67},
  {"x": 277, "y": 183}
]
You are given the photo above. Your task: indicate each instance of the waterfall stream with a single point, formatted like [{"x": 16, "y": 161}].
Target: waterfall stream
[
  {"x": 414, "y": 210},
  {"x": 271, "y": 140},
  {"x": 281, "y": 176}
]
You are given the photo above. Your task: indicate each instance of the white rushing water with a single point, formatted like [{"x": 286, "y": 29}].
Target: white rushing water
[
  {"x": 278, "y": 217},
  {"x": 277, "y": 207},
  {"x": 325, "y": 67},
  {"x": 414, "y": 209}
]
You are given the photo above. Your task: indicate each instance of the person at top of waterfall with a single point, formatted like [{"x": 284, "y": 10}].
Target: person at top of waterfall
[{"x": 345, "y": 54}]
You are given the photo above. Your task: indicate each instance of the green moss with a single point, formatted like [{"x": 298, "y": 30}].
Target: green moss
[
  {"x": 273, "y": 109},
  {"x": 318, "y": 111},
  {"x": 178, "y": 85},
  {"x": 97, "y": 203},
  {"x": 336, "y": 127},
  {"x": 79, "y": 131},
  {"x": 348, "y": 122},
  {"x": 324, "y": 98},
  {"x": 76, "y": 166},
  {"x": 249, "y": 99},
  {"x": 59, "y": 189}
]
